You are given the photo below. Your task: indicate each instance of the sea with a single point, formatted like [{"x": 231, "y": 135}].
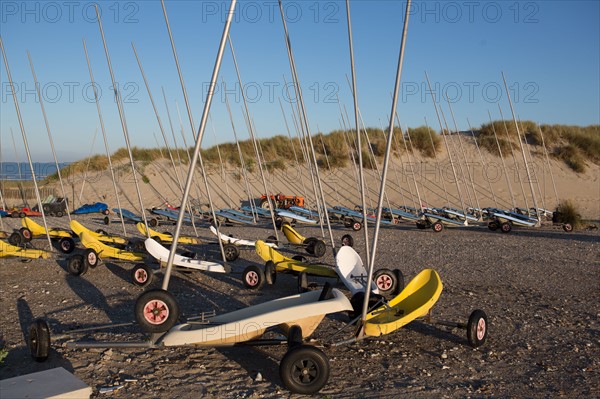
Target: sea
[{"x": 22, "y": 170}]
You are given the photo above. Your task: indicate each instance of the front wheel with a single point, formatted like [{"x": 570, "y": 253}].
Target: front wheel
[
  {"x": 39, "y": 340},
  {"x": 477, "y": 328},
  {"x": 76, "y": 266},
  {"x": 437, "y": 227},
  {"x": 253, "y": 277},
  {"x": 356, "y": 226},
  {"x": 231, "y": 252},
  {"x": 141, "y": 275},
  {"x": 26, "y": 234},
  {"x": 493, "y": 226},
  {"x": 347, "y": 240},
  {"x": 568, "y": 227},
  {"x": 270, "y": 272},
  {"x": 156, "y": 311},
  {"x": 90, "y": 257},
  {"x": 319, "y": 249},
  {"x": 505, "y": 227},
  {"x": 304, "y": 369}
]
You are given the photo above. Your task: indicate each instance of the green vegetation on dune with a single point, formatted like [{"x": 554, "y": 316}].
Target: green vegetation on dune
[{"x": 574, "y": 145}]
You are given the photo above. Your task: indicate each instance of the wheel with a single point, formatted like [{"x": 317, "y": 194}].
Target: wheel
[
  {"x": 278, "y": 222},
  {"x": 493, "y": 226},
  {"x": 304, "y": 369},
  {"x": 141, "y": 275},
  {"x": 231, "y": 252},
  {"x": 437, "y": 227},
  {"x": 59, "y": 214},
  {"x": 270, "y": 273},
  {"x": 22, "y": 215},
  {"x": 477, "y": 328},
  {"x": 26, "y": 234},
  {"x": 253, "y": 277},
  {"x": 90, "y": 258},
  {"x": 294, "y": 336},
  {"x": 39, "y": 340},
  {"x": 400, "y": 279},
  {"x": 139, "y": 246},
  {"x": 102, "y": 232},
  {"x": 356, "y": 226},
  {"x": 46, "y": 209},
  {"x": 156, "y": 311},
  {"x": 153, "y": 222},
  {"x": 505, "y": 227},
  {"x": 105, "y": 212},
  {"x": 76, "y": 266},
  {"x": 568, "y": 227},
  {"x": 348, "y": 222},
  {"x": 309, "y": 245},
  {"x": 319, "y": 248},
  {"x": 264, "y": 204},
  {"x": 15, "y": 239},
  {"x": 421, "y": 225},
  {"x": 302, "y": 282},
  {"x": 386, "y": 281},
  {"x": 66, "y": 245},
  {"x": 347, "y": 240},
  {"x": 300, "y": 258},
  {"x": 271, "y": 240},
  {"x": 106, "y": 220},
  {"x": 14, "y": 214}
]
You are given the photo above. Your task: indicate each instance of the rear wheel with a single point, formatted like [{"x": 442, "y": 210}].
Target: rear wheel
[
  {"x": 319, "y": 248},
  {"x": 39, "y": 340},
  {"x": 437, "y": 227},
  {"x": 76, "y": 266},
  {"x": 347, "y": 240},
  {"x": 66, "y": 245},
  {"x": 90, "y": 258},
  {"x": 253, "y": 277},
  {"x": 15, "y": 239},
  {"x": 568, "y": 227},
  {"x": 153, "y": 222},
  {"x": 477, "y": 328},
  {"x": 304, "y": 369},
  {"x": 156, "y": 311},
  {"x": 59, "y": 214},
  {"x": 141, "y": 275},
  {"x": 356, "y": 226},
  {"x": 505, "y": 227},
  {"x": 493, "y": 226},
  {"x": 231, "y": 252},
  {"x": 386, "y": 281},
  {"x": 26, "y": 234}
]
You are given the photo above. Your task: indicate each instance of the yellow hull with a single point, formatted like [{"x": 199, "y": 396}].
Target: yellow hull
[
  {"x": 165, "y": 237},
  {"x": 284, "y": 264},
  {"x": 78, "y": 228},
  {"x": 105, "y": 251},
  {"x": 292, "y": 235},
  {"x": 11, "y": 250},
  {"x": 413, "y": 302},
  {"x": 37, "y": 230}
]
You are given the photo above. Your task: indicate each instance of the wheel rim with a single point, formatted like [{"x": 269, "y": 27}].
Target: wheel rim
[
  {"x": 252, "y": 278},
  {"x": 156, "y": 312},
  {"x": 481, "y": 327},
  {"x": 305, "y": 371},
  {"x": 141, "y": 276},
  {"x": 384, "y": 282},
  {"x": 27, "y": 234},
  {"x": 65, "y": 245},
  {"x": 346, "y": 241},
  {"x": 91, "y": 258},
  {"x": 438, "y": 227},
  {"x": 229, "y": 253},
  {"x": 77, "y": 265}
]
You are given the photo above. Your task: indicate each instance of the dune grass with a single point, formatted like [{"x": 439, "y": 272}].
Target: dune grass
[{"x": 567, "y": 212}]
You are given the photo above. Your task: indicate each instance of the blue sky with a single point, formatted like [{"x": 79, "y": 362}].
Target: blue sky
[{"x": 549, "y": 51}]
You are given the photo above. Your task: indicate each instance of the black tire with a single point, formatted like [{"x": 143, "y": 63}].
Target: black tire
[
  {"x": 278, "y": 222},
  {"x": 14, "y": 214},
  {"x": 302, "y": 282},
  {"x": 46, "y": 209},
  {"x": 231, "y": 252},
  {"x": 270, "y": 273},
  {"x": 319, "y": 248},
  {"x": 568, "y": 227},
  {"x": 400, "y": 279},
  {"x": 156, "y": 311},
  {"x": 59, "y": 214},
  {"x": 76, "y": 266},
  {"x": 38, "y": 340},
  {"x": 477, "y": 328},
  {"x": 22, "y": 215},
  {"x": 348, "y": 222},
  {"x": 493, "y": 226},
  {"x": 153, "y": 222},
  {"x": 386, "y": 281},
  {"x": 26, "y": 234},
  {"x": 356, "y": 226},
  {"x": 139, "y": 246},
  {"x": 505, "y": 227},
  {"x": 106, "y": 220},
  {"x": 66, "y": 245},
  {"x": 264, "y": 204},
  {"x": 90, "y": 258},
  {"x": 437, "y": 227},
  {"x": 15, "y": 239},
  {"x": 294, "y": 336},
  {"x": 421, "y": 225},
  {"x": 309, "y": 245},
  {"x": 347, "y": 240},
  {"x": 253, "y": 277},
  {"x": 304, "y": 369},
  {"x": 141, "y": 275}
]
